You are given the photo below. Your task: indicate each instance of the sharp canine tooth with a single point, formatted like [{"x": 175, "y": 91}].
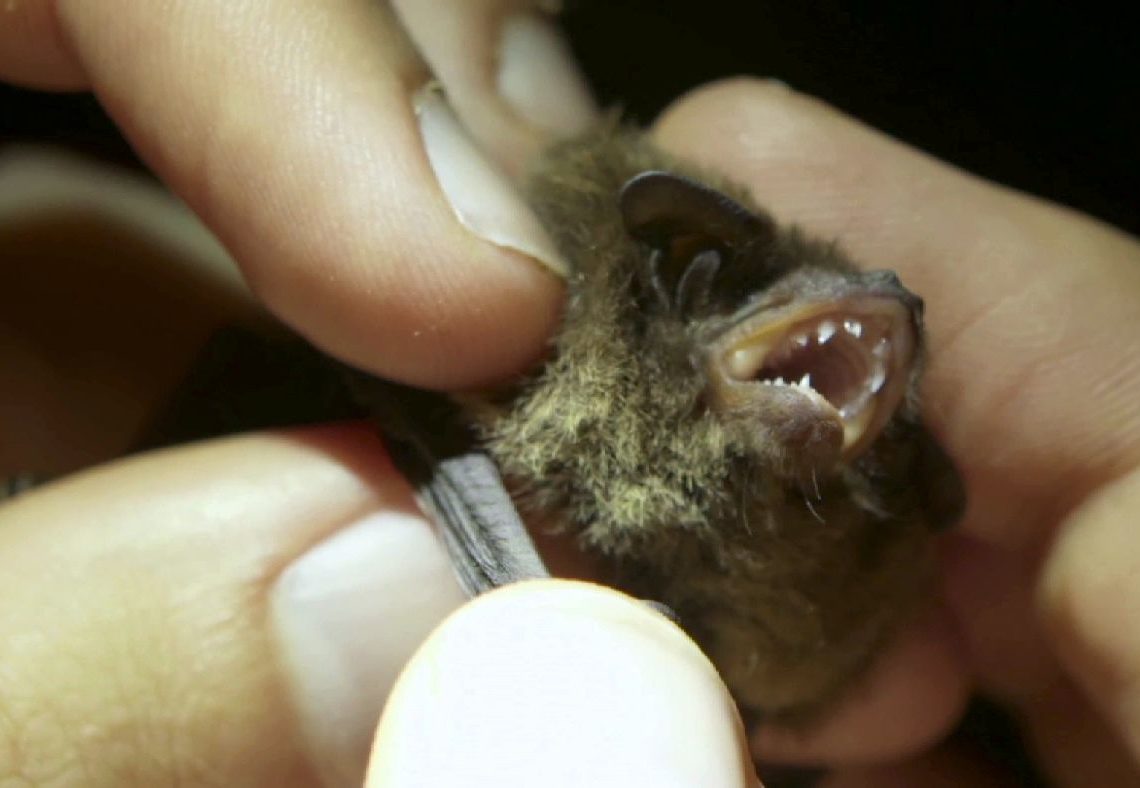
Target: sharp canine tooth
[
  {"x": 825, "y": 331},
  {"x": 877, "y": 380},
  {"x": 853, "y": 327},
  {"x": 806, "y": 380},
  {"x": 853, "y": 428}
]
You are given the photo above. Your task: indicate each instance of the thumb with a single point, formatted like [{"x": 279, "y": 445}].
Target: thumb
[{"x": 560, "y": 684}]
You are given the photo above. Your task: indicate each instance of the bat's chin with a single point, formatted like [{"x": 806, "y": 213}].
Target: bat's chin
[{"x": 846, "y": 361}]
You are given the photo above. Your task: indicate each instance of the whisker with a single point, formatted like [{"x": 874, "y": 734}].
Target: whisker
[{"x": 813, "y": 511}]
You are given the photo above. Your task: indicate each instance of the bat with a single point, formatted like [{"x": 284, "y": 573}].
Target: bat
[{"x": 727, "y": 417}]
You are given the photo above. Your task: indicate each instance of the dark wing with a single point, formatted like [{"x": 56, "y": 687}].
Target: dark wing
[
  {"x": 456, "y": 483},
  {"x": 488, "y": 542},
  {"x": 244, "y": 380}
]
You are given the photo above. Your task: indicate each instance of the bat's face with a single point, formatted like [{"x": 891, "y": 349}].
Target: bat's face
[{"x": 802, "y": 353}]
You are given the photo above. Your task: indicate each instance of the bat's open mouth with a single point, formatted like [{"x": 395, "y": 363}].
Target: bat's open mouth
[{"x": 851, "y": 357}]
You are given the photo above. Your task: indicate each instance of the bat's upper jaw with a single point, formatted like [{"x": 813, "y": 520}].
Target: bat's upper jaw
[{"x": 842, "y": 363}]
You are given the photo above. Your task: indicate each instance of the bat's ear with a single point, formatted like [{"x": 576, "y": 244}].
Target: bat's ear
[
  {"x": 659, "y": 208},
  {"x": 691, "y": 228}
]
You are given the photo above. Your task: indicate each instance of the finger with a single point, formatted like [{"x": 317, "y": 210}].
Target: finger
[
  {"x": 1089, "y": 593},
  {"x": 1023, "y": 298},
  {"x": 558, "y": 683},
  {"x": 1015, "y": 662},
  {"x": 912, "y": 696},
  {"x": 229, "y": 614},
  {"x": 502, "y": 61},
  {"x": 383, "y": 236}
]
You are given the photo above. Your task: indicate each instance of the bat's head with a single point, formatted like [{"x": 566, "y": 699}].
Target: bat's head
[{"x": 806, "y": 355}]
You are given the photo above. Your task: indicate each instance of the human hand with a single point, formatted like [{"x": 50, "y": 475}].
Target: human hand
[
  {"x": 1034, "y": 318},
  {"x": 1037, "y": 583},
  {"x": 290, "y": 129},
  {"x": 359, "y": 482},
  {"x": 236, "y": 612}
]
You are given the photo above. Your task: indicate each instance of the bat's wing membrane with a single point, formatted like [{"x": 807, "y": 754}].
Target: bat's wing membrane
[
  {"x": 456, "y": 483},
  {"x": 487, "y": 540}
]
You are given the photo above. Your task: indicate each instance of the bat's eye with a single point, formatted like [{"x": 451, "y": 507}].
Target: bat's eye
[{"x": 850, "y": 360}]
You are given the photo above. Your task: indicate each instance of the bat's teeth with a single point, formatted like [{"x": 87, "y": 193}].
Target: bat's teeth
[
  {"x": 825, "y": 331},
  {"x": 805, "y": 381},
  {"x": 800, "y": 340},
  {"x": 882, "y": 348},
  {"x": 878, "y": 378},
  {"x": 853, "y": 327}
]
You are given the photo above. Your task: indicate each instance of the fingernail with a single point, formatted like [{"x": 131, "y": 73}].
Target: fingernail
[
  {"x": 539, "y": 78},
  {"x": 347, "y": 615},
  {"x": 480, "y": 194}
]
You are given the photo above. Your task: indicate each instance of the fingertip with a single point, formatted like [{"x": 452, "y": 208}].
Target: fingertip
[
  {"x": 421, "y": 264},
  {"x": 1087, "y": 597},
  {"x": 509, "y": 71},
  {"x": 306, "y": 161},
  {"x": 558, "y": 683}
]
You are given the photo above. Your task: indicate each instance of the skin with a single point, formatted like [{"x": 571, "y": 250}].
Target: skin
[{"x": 1035, "y": 584}]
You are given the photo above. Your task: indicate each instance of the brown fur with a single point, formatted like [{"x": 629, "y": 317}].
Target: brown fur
[{"x": 613, "y": 439}]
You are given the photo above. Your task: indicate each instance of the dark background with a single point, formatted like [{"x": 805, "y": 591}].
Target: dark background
[{"x": 1036, "y": 96}]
